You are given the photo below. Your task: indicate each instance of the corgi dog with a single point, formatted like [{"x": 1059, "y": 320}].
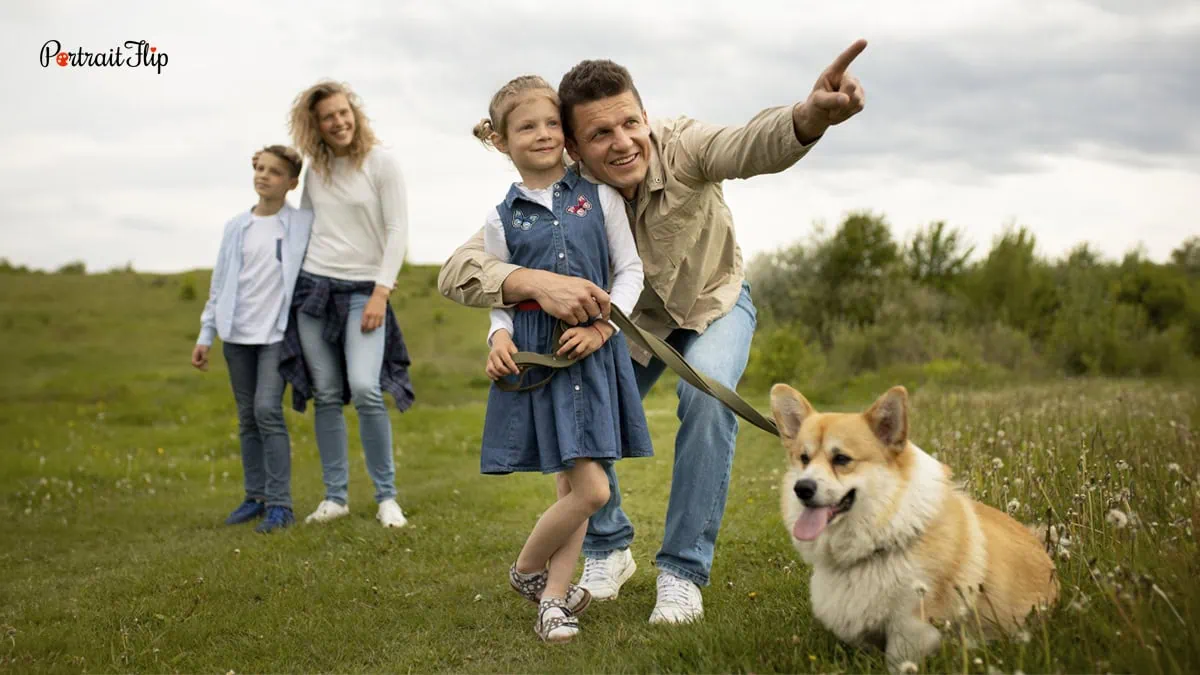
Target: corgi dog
[{"x": 895, "y": 546}]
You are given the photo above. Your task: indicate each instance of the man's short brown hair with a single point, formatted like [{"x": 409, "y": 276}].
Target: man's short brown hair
[{"x": 592, "y": 80}]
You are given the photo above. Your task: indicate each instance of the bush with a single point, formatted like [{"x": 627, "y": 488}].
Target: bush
[
  {"x": 77, "y": 267},
  {"x": 187, "y": 290}
]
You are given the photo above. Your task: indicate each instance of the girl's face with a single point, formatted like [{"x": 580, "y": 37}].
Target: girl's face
[
  {"x": 534, "y": 135},
  {"x": 271, "y": 177},
  {"x": 335, "y": 119}
]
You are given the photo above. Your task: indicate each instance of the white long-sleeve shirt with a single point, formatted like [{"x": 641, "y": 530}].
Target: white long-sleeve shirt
[
  {"x": 361, "y": 227},
  {"x": 627, "y": 274}
]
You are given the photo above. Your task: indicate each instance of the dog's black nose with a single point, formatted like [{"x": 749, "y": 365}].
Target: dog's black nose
[{"x": 805, "y": 489}]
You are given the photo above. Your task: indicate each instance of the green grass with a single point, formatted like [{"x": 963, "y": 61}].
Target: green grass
[{"x": 118, "y": 463}]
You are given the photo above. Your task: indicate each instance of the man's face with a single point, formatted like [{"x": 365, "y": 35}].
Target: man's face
[{"x": 612, "y": 139}]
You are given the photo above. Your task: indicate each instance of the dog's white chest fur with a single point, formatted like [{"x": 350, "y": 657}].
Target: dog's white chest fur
[{"x": 858, "y": 602}]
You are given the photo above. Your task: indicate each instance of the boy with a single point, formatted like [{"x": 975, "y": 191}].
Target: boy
[{"x": 248, "y": 302}]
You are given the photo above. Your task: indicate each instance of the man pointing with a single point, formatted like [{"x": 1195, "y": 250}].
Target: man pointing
[{"x": 696, "y": 298}]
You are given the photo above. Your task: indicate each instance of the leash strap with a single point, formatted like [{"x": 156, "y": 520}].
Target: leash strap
[{"x": 655, "y": 345}]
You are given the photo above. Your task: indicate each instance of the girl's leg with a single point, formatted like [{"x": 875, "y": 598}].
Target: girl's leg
[
  {"x": 561, "y": 525},
  {"x": 364, "y": 360},
  {"x": 329, "y": 423}
]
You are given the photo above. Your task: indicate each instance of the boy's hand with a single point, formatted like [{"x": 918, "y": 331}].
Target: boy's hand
[
  {"x": 500, "y": 361},
  {"x": 580, "y": 341},
  {"x": 200, "y": 357}
]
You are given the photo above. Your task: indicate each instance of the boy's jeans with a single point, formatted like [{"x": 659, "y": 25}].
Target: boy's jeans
[
  {"x": 364, "y": 360},
  {"x": 266, "y": 448},
  {"x": 703, "y": 450}
]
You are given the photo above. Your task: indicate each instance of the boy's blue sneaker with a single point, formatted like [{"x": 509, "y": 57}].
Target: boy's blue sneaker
[
  {"x": 249, "y": 510},
  {"x": 277, "y": 517}
]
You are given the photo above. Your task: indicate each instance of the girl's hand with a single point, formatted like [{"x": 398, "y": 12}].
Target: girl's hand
[
  {"x": 200, "y": 357},
  {"x": 580, "y": 341},
  {"x": 376, "y": 309},
  {"x": 500, "y": 361}
]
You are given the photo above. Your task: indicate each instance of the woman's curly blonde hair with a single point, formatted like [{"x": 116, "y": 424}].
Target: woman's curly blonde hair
[{"x": 306, "y": 129}]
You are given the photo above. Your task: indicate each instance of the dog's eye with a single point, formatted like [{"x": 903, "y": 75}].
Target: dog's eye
[
  {"x": 841, "y": 460},
  {"x": 804, "y": 459}
]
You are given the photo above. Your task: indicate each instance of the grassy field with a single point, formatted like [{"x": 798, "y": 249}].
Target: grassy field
[{"x": 118, "y": 463}]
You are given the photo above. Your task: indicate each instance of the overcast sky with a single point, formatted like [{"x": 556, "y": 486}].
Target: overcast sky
[{"x": 1077, "y": 119}]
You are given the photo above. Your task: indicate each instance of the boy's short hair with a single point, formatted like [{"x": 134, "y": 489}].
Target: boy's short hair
[
  {"x": 288, "y": 155},
  {"x": 591, "y": 80}
]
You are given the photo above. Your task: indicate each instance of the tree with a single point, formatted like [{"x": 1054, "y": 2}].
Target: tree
[{"x": 935, "y": 256}]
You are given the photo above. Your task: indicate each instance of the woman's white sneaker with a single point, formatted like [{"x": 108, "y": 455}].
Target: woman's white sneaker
[
  {"x": 603, "y": 577},
  {"x": 327, "y": 511},
  {"x": 390, "y": 514}
]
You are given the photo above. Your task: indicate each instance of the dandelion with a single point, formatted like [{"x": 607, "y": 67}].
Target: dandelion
[
  {"x": 1024, "y": 637},
  {"x": 978, "y": 661},
  {"x": 1122, "y": 465},
  {"x": 478, "y": 597},
  {"x": 1013, "y": 506},
  {"x": 1117, "y": 518},
  {"x": 160, "y": 451},
  {"x": 1172, "y": 468},
  {"x": 997, "y": 463},
  {"x": 908, "y": 667}
]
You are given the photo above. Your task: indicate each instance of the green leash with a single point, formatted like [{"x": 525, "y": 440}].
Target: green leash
[{"x": 655, "y": 345}]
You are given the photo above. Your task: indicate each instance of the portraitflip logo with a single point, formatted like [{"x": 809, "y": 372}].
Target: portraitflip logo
[{"x": 137, "y": 54}]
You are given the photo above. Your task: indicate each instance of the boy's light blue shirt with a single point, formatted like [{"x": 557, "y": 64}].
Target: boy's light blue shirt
[{"x": 217, "y": 317}]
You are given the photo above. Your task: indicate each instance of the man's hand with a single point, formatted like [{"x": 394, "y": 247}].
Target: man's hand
[
  {"x": 572, "y": 299},
  {"x": 500, "y": 361},
  {"x": 836, "y": 97},
  {"x": 581, "y": 341},
  {"x": 376, "y": 309},
  {"x": 200, "y": 357}
]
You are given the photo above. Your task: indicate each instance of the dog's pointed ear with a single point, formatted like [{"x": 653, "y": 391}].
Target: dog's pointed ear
[
  {"x": 790, "y": 409},
  {"x": 888, "y": 418}
]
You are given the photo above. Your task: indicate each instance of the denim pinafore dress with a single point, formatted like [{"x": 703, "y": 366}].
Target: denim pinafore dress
[{"x": 591, "y": 408}]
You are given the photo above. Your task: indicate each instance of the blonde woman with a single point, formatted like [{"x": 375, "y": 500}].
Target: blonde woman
[{"x": 345, "y": 344}]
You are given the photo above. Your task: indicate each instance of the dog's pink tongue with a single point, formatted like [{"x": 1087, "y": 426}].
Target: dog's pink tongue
[{"x": 811, "y": 522}]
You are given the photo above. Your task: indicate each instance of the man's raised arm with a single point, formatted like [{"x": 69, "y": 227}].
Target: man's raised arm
[{"x": 472, "y": 277}]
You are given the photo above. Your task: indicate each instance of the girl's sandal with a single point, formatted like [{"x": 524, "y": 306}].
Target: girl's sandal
[
  {"x": 531, "y": 588},
  {"x": 559, "y": 628}
]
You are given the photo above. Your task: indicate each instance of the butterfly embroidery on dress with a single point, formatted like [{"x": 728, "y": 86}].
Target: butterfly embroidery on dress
[
  {"x": 581, "y": 207},
  {"x": 521, "y": 224}
]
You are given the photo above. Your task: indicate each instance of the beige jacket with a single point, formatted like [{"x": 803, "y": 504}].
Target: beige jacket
[{"x": 683, "y": 228}]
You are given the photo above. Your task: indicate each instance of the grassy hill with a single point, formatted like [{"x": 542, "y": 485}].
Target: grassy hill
[{"x": 118, "y": 462}]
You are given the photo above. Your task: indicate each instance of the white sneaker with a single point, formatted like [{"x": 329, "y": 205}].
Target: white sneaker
[
  {"x": 390, "y": 514},
  {"x": 603, "y": 577},
  {"x": 679, "y": 600},
  {"x": 327, "y": 511}
]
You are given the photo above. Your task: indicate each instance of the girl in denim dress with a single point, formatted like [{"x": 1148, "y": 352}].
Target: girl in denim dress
[{"x": 589, "y": 413}]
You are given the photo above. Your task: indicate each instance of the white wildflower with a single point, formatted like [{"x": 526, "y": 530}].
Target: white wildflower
[
  {"x": 1172, "y": 468},
  {"x": 908, "y": 667},
  {"x": 919, "y": 587},
  {"x": 997, "y": 463},
  {"x": 1122, "y": 465},
  {"x": 1117, "y": 518},
  {"x": 1024, "y": 637},
  {"x": 1012, "y": 507}
]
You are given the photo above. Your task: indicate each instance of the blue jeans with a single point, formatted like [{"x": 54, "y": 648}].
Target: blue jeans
[
  {"x": 703, "y": 450},
  {"x": 266, "y": 448},
  {"x": 364, "y": 360}
]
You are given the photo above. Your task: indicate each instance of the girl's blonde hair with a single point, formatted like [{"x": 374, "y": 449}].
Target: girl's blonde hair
[
  {"x": 509, "y": 97},
  {"x": 306, "y": 129}
]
